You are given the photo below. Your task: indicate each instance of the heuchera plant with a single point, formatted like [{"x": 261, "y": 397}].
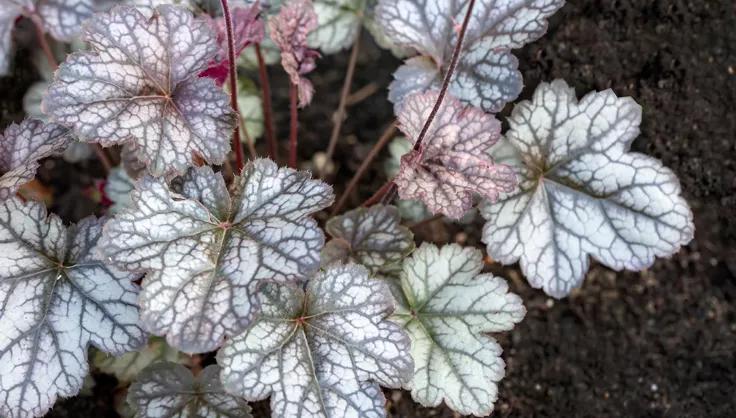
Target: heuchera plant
[{"x": 203, "y": 251}]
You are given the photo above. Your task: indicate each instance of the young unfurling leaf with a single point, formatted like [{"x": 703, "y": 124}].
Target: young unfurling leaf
[
  {"x": 320, "y": 353},
  {"x": 453, "y": 163},
  {"x": 289, "y": 30},
  {"x": 140, "y": 86},
  {"x": 127, "y": 367},
  {"x": 487, "y": 74},
  {"x": 583, "y": 193},
  {"x": 22, "y": 146},
  {"x": 373, "y": 237},
  {"x": 57, "y": 298},
  {"x": 166, "y": 390},
  {"x": 448, "y": 308},
  {"x": 206, "y": 251}
]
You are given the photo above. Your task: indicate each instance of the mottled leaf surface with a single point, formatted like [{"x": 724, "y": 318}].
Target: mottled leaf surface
[
  {"x": 139, "y": 86},
  {"x": 453, "y": 163},
  {"x": 206, "y": 251},
  {"x": 63, "y": 19},
  {"x": 169, "y": 390},
  {"x": 339, "y": 24},
  {"x": 22, "y": 146},
  {"x": 373, "y": 237},
  {"x": 448, "y": 308},
  {"x": 56, "y": 298},
  {"x": 321, "y": 352},
  {"x": 127, "y": 366},
  {"x": 487, "y": 74},
  {"x": 583, "y": 193}
]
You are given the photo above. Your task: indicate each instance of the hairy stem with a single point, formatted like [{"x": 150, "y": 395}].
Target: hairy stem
[
  {"x": 387, "y": 135},
  {"x": 233, "y": 79},
  {"x": 273, "y": 149},
  {"x": 293, "y": 123},
  {"x": 339, "y": 115}
]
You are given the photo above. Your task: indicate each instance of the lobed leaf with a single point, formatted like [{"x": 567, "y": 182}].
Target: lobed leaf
[
  {"x": 487, "y": 74},
  {"x": 139, "y": 86},
  {"x": 582, "y": 192},
  {"x": 453, "y": 163},
  {"x": 22, "y": 146},
  {"x": 169, "y": 390},
  {"x": 447, "y": 308},
  {"x": 129, "y": 365},
  {"x": 206, "y": 251},
  {"x": 320, "y": 352},
  {"x": 57, "y": 298},
  {"x": 373, "y": 237}
]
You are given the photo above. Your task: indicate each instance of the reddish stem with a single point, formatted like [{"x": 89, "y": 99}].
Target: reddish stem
[
  {"x": 293, "y": 123},
  {"x": 378, "y": 196},
  {"x": 273, "y": 150},
  {"x": 233, "y": 79}
]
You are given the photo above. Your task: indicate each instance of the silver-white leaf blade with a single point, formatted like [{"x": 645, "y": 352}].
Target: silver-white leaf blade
[
  {"x": 118, "y": 188},
  {"x": 448, "y": 309},
  {"x": 63, "y": 19},
  {"x": 206, "y": 253},
  {"x": 373, "y": 237},
  {"x": 57, "y": 298},
  {"x": 324, "y": 356},
  {"x": 140, "y": 85},
  {"x": 583, "y": 193},
  {"x": 339, "y": 24},
  {"x": 22, "y": 146},
  {"x": 169, "y": 390}
]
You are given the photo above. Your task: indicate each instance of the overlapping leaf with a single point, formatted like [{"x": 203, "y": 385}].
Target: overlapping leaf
[
  {"x": 118, "y": 188},
  {"x": 453, "y": 163},
  {"x": 127, "y": 366},
  {"x": 373, "y": 237},
  {"x": 22, "y": 146},
  {"x": 57, "y": 298},
  {"x": 487, "y": 74},
  {"x": 140, "y": 86},
  {"x": 447, "y": 308},
  {"x": 320, "y": 352},
  {"x": 206, "y": 251},
  {"x": 166, "y": 390},
  {"x": 583, "y": 193}
]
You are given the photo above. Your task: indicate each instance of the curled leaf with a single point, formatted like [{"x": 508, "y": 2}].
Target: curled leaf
[
  {"x": 206, "y": 251},
  {"x": 22, "y": 146},
  {"x": 166, "y": 390},
  {"x": 320, "y": 353},
  {"x": 453, "y": 163},
  {"x": 373, "y": 237},
  {"x": 139, "y": 86},
  {"x": 582, "y": 192},
  {"x": 448, "y": 308},
  {"x": 57, "y": 299},
  {"x": 487, "y": 74}
]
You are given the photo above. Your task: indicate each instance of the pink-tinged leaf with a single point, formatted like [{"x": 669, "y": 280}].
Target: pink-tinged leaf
[
  {"x": 22, "y": 146},
  {"x": 289, "y": 30},
  {"x": 453, "y": 163}
]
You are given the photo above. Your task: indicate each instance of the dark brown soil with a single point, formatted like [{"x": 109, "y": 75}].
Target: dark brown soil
[{"x": 658, "y": 343}]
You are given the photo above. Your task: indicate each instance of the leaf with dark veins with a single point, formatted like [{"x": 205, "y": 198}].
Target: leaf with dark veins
[
  {"x": 583, "y": 193},
  {"x": 373, "y": 237},
  {"x": 448, "y": 308},
  {"x": 206, "y": 251},
  {"x": 56, "y": 298},
  {"x": 487, "y": 74},
  {"x": 139, "y": 85},
  {"x": 22, "y": 146},
  {"x": 453, "y": 163},
  {"x": 166, "y": 390},
  {"x": 323, "y": 352}
]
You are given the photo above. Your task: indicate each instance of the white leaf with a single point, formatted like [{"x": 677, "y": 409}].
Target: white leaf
[
  {"x": 339, "y": 23},
  {"x": 373, "y": 237},
  {"x": 118, "y": 189},
  {"x": 583, "y": 193},
  {"x": 22, "y": 146},
  {"x": 127, "y": 366},
  {"x": 140, "y": 86},
  {"x": 447, "y": 310},
  {"x": 206, "y": 251},
  {"x": 57, "y": 298},
  {"x": 487, "y": 75},
  {"x": 167, "y": 390},
  {"x": 320, "y": 352},
  {"x": 63, "y": 18}
]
